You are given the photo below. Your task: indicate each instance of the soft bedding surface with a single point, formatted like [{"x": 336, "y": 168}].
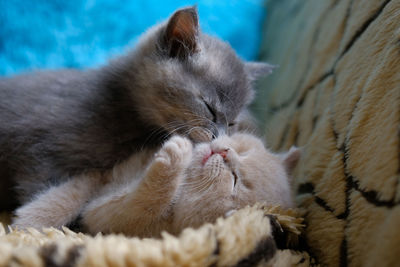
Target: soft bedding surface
[
  {"x": 253, "y": 236},
  {"x": 337, "y": 95}
]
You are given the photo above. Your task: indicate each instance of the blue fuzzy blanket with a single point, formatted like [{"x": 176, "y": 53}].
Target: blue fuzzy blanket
[{"x": 76, "y": 33}]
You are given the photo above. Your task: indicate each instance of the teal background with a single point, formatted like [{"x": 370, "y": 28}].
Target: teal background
[{"x": 73, "y": 33}]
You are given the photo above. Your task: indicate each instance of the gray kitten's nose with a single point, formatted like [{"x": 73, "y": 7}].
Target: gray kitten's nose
[{"x": 218, "y": 130}]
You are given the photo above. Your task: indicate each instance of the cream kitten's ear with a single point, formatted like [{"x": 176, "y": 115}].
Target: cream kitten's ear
[
  {"x": 291, "y": 158},
  {"x": 256, "y": 70}
]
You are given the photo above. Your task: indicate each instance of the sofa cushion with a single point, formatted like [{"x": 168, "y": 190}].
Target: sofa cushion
[{"x": 336, "y": 94}]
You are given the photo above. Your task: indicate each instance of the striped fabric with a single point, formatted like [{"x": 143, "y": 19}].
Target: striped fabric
[{"x": 337, "y": 95}]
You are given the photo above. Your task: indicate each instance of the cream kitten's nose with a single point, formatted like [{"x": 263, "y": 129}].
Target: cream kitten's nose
[
  {"x": 223, "y": 152},
  {"x": 222, "y": 146}
]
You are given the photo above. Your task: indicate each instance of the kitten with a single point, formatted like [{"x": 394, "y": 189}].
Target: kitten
[
  {"x": 57, "y": 124},
  {"x": 181, "y": 186}
]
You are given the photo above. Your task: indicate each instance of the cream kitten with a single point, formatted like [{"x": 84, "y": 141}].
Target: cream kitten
[{"x": 181, "y": 186}]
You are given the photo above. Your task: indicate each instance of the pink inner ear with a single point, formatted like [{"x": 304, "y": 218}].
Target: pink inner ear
[
  {"x": 182, "y": 31},
  {"x": 291, "y": 158},
  {"x": 185, "y": 26}
]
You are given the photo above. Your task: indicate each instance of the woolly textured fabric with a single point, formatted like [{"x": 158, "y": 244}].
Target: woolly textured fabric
[
  {"x": 75, "y": 33},
  {"x": 243, "y": 239},
  {"x": 337, "y": 95}
]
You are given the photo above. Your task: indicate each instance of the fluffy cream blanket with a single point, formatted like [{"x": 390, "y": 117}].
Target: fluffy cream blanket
[{"x": 252, "y": 236}]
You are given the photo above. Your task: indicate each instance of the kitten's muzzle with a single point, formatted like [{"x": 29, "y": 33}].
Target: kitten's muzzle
[
  {"x": 218, "y": 129},
  {"x": 206, "y": 134},
  {"x": 223, "y": 153},
  {"x": 200, "y": 135}
]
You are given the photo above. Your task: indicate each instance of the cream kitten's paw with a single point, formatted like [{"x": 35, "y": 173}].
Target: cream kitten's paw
[{"x": 176, "y": 152}]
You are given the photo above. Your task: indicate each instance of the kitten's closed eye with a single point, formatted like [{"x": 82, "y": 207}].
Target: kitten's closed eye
[
  {"x": 243, "y": 152},
  {"x": 235, "y": 178},
  {"x": 211, "y": 111}
]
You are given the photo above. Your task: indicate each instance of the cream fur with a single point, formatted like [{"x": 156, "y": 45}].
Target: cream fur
[
  {"x": 180, "y": 186},
  {"x": 58, "y": 205}
]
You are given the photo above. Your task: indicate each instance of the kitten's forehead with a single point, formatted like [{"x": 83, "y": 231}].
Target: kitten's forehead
[
  {"x": 222, "y": 72},
  {"x": 218, "y": 57}
]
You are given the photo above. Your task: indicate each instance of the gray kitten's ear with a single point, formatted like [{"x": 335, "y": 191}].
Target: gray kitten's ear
[
  {"x": 256, "y": 70},
  {"x": 291, "y": 158},
  {"x": 181, "y": 33}
]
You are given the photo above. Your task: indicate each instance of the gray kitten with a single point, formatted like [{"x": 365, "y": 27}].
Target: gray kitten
[{"x": 57, "y": 124}]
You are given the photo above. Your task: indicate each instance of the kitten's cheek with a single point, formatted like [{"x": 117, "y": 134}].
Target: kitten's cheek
[
  {"x": 200, "y": 135},
  {"x": 233, "y": 129}
]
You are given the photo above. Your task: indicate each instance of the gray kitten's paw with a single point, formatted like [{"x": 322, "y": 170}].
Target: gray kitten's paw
[{"x": 176, "y": 152}]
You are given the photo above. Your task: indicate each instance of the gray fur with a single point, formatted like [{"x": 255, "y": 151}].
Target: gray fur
[{"x": 56, "y": 124}]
